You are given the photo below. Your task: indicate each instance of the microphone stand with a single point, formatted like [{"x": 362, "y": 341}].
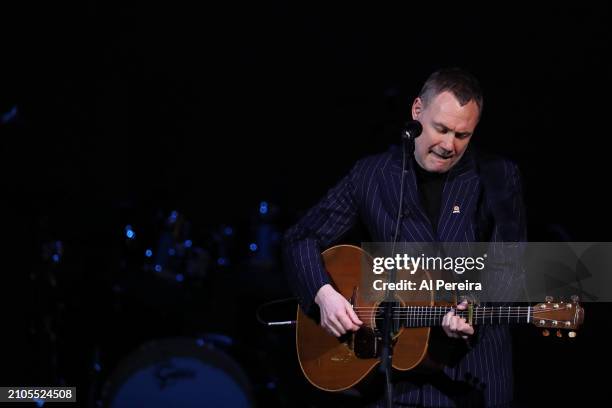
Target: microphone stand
[
  {"x": 387, "y": 350},
  {"x": 386, "y": 355}
]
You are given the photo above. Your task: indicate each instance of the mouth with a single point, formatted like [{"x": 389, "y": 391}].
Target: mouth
[{"x": 440, "y": 156}]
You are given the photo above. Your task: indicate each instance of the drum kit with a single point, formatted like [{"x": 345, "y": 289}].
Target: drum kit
[
  {"x": 161, "y": 345},
  {"x": 178, "y": 372}
]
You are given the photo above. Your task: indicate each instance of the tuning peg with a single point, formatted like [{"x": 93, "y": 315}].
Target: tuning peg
[
  {"x": 571, "y": 334},
  {"x": 575, "y": 298},
  {"x": 545, "y": 333},
  {"x": 559, "y": 334},
  {"x": 548, "y": 299}
]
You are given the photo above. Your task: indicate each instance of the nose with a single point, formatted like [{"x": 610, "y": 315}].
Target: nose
[{"x": 446, "y": 141}]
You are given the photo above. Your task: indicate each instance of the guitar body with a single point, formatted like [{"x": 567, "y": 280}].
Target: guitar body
[{"x": 335, "y": 364}]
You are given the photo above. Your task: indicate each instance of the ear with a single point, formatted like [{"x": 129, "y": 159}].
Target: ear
[{"x": 417, "y": 108}]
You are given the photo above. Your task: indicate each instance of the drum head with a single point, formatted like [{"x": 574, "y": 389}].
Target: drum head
[{"x": 179, "y": 372}]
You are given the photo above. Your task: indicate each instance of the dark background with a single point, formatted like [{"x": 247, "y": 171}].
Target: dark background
[{"x": 127, "y": 111}]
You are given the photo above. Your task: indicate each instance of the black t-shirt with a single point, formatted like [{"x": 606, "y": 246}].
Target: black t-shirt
[{"x": 430, "y": 186}]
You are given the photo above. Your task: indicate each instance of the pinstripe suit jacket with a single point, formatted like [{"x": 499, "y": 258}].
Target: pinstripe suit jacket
[{"x": 370, "y": 193}]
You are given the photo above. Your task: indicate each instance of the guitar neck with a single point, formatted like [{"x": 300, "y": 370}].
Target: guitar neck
[{"x": 427, "y": 316}]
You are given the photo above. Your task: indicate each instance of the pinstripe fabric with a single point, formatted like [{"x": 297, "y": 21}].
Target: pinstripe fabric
[{"x": 370, "y": 192}]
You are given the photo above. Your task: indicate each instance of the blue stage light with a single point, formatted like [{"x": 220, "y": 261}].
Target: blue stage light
[
  {"x": 228, "y": 231},
  {"x": 158, "y": 268},
  {"x": 188, "y": 243},
  {"x": 171, "y": 251},
  {"x": 253, "y": 247},
  {"x": 179, "y": 277},
  {"x": 263, "y": 207},
  {"x": 9, "y": 116},
  {"x": 148, "y": 253},
  {"x": 129, "y": 232}
]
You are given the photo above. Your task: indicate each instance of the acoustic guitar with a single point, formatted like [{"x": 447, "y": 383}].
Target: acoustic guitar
[{"x": 337, "y": 363}]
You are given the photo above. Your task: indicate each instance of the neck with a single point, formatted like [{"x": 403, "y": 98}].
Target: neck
[{"x": 426, "y": 316}]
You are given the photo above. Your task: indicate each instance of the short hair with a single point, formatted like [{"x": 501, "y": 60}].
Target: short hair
[{"x": 463, "y": 85}]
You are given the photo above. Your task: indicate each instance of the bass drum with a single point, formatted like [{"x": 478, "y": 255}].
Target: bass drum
[{"x": 177, "y": 372}]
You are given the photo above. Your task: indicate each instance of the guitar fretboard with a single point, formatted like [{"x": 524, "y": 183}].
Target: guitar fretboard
[{"x": 425, "y": 316}]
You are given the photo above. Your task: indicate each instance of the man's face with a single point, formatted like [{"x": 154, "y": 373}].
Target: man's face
[{"x": 447, "y": 130}]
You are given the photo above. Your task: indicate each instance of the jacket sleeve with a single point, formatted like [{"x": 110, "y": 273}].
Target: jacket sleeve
[
  {"x": 506, "y": 272},
  {"x": 322, "y": 226},
  {"x": 511, "y": 224}
]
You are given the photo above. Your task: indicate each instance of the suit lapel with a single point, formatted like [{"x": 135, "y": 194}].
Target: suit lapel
[{"x": 459, "y": 199}]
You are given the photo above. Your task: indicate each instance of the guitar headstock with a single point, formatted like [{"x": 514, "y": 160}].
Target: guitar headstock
[{"x": 558, "y": 315}]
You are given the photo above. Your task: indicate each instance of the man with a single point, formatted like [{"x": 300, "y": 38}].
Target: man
[{"x": 442, "y": 175}]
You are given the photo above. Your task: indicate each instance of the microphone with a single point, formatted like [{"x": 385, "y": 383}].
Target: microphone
[{"x": 412, "y": 130}]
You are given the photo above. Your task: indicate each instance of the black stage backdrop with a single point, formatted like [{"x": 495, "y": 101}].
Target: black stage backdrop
[{"x": 130, "y": 127}]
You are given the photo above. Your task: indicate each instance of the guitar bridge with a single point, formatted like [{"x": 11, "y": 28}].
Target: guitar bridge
[{"x": 365, "y": 343}]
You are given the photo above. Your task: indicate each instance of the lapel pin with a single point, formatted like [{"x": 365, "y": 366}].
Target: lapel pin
[{"x": 456, "y": 209}]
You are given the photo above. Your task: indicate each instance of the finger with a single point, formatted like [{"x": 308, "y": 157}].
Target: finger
[
  {"x": 453, "y": 324},
  {"x": 463, "y": 327},
  {"x": 450, "y": 314},
  {"x": 445, "y": 324},
  {"x": 446, "y": 320},
  {"x": 329, "y": 329},
  {"x": 336, "y": 325},
  {"x": 346, "y": 322},
  {"x": 353, "y": 316},
  {"x": 463, "y": 305},
  {"x": 333, "y": 332}
]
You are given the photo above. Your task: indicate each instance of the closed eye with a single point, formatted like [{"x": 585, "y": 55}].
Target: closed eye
[{"x": 442, "y": 129}]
